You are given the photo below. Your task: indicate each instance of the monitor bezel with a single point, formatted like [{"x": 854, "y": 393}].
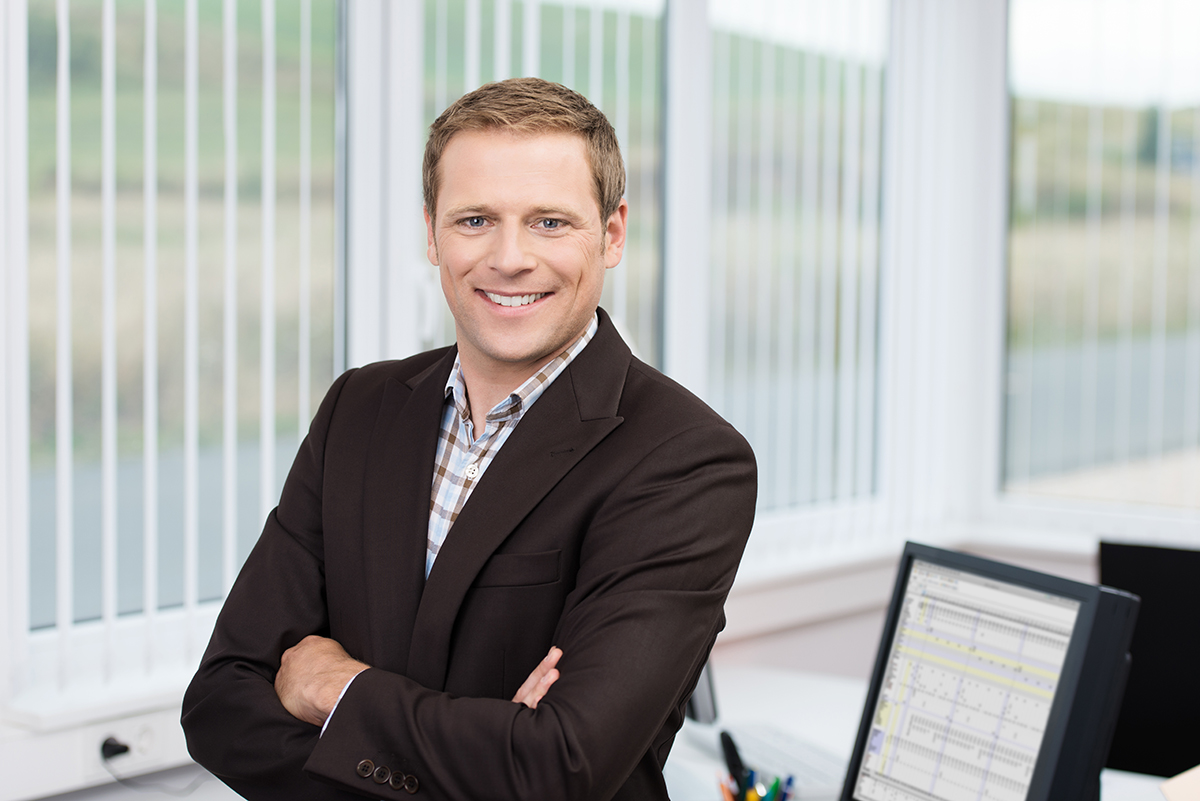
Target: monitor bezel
[{"x": 1088, "y": 597}]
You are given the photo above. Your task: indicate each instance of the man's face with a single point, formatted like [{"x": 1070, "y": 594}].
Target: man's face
[{"x": 520, "y": 246}]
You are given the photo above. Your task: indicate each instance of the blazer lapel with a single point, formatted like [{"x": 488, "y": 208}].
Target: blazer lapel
[
  {"x": 399, "y": 473},
  {"x": 576, "y": 412}
]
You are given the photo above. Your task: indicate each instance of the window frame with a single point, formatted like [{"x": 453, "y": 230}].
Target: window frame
[{"x": 14, "y": 399}]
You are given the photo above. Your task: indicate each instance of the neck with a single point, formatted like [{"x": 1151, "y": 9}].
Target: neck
[
  {"x": 485, "y": 389},
  {"x": 489, "y": 381}
]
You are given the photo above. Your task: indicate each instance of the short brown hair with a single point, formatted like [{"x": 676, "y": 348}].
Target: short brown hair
[{"x": 530, "y": 106}]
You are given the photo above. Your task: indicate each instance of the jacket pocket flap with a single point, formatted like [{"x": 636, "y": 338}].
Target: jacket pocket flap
[{"x": 519, "y": 569}]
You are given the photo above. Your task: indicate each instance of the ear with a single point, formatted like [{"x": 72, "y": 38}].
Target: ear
[
  {"x": 614, "y": 235},
  {"x": 431, "y": 243}
]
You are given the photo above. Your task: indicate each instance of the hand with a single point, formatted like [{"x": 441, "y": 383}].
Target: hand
[
  {"x": 311, "y": 676},
  {"x": 539, "y": 680}
]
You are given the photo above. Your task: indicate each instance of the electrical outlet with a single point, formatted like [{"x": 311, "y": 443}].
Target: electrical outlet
[{"x": 155, "y": 742}]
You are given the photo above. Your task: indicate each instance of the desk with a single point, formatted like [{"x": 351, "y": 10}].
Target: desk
[{"x": 822, "y": 709}]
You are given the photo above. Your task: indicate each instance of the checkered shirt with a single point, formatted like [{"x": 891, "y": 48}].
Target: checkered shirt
[{"x": 461, "y": 462}]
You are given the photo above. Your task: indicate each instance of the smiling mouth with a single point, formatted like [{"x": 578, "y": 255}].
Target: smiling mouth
[{"x": 514, "y": 300}]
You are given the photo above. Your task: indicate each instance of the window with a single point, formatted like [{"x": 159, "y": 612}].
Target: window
[
  {"x": 793, "y": 325},
  {"x": 183, "y": 287},
  {"x": 180, "y": 312},
  {"x": 1103, "y": 329}
]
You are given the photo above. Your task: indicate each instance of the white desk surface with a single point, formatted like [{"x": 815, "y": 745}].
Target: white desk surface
[{"x": 822, "y": 709}]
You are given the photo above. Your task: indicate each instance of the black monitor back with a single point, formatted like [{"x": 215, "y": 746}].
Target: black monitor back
[{"x": 1156, "y": 729}]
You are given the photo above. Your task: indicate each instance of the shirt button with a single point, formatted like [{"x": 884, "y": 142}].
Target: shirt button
[{"x": 472, "y": 470}]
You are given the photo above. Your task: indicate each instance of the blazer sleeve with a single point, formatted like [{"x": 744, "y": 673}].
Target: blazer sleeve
[
  {"x": 657, "y": 562},
  {"x": 235, "y": 725}
]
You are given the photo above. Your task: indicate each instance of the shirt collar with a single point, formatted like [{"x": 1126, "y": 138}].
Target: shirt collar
[{"x": 523, "y": 396}]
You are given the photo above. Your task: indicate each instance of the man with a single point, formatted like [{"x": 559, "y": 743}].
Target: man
[{"x": 496, "y": 569}]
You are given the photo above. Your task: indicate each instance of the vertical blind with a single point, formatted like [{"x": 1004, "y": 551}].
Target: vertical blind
[
  {"x": 182, "y": 266},
  {"x": 181, "y": 272},
  {"x": 798, "y": 98},
  {"x": 1103, "y": 358}
]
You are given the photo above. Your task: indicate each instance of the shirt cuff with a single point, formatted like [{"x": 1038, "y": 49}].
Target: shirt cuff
[{"x": 335, "y": 704}]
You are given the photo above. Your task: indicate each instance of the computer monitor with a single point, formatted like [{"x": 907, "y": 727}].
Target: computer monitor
[
  {"x": 1156, "y": 731},
  {"x": 991, "y": 682}
]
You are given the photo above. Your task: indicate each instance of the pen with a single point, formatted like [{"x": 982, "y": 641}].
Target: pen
[{"x": 733, "y": 761}]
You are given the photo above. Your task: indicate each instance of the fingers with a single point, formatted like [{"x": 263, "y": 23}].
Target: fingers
[
  {"x": 542, "y": 688},
  {"x": 540, "y": 680},
  {"x": 551, "y": 658}
]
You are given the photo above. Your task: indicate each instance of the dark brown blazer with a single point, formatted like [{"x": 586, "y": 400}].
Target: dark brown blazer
[{"x": 610, "y": 524}]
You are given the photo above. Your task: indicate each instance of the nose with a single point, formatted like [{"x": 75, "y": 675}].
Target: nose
[{"x": 511, "y": 254}]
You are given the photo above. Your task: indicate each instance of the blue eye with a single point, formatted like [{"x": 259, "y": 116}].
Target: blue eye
[
  {"x": 474, "y": 222},
  {"x": 549, "y": 224}
]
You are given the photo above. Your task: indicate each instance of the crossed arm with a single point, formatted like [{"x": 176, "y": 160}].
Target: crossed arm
[{"x": 313, "y": 673}]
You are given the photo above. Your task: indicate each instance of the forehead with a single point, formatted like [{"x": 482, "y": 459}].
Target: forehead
[{"x": 488, "y": 166}]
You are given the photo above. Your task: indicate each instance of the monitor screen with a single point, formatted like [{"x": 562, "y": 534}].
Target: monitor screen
[{"x": 975, "y": 682}]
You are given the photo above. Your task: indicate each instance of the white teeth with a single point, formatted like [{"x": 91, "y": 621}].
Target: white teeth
[{"x": 514, "y": 300}]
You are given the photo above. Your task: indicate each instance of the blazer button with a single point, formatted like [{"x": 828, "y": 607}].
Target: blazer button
[
  {"x": 382, "y": 775},
  {"x": 396, "y": 782},
  {"x": 410, "y": 784},
  {"x": 365, "y": 768}
]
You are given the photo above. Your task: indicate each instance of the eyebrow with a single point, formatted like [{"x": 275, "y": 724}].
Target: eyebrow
[
  {"x": 459, "y": 211},
  {"x": 557, "y": 211}
]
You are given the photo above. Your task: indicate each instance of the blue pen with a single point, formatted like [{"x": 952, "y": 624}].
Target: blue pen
[{"x": 787, "y": 789}]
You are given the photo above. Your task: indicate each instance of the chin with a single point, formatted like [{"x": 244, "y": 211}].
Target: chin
[{"x": 522, "y": 356}]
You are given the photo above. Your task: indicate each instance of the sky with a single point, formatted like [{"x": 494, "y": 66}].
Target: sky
[
  {"x": 1112, "y": 52},
  {"x": 856, "y": 29}
]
